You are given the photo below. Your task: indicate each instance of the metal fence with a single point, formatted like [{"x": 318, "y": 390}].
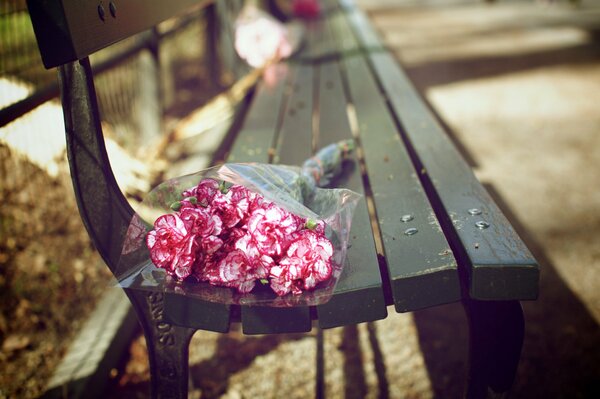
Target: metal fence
[{"x": 123, "y": 80}]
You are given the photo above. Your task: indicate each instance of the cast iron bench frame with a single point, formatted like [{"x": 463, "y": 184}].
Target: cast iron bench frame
[{"x": 342, "y": 84}]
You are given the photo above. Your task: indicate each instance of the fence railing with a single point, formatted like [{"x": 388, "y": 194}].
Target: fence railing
[{"x": 161, "y": 52}]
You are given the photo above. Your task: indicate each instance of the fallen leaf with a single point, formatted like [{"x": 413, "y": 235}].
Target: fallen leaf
[{"x": 15, "y": 342}]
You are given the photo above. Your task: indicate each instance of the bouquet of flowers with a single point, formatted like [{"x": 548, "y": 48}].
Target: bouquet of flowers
[
  {"x": 261, "y": 39},
  {"x": 244, "y": 233}
]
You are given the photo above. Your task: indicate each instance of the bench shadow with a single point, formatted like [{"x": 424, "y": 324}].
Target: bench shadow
[
  {"x": 355, "y": 380},
  {"x": 436, "y": 73},
  {"x": 231, "y": 356},
  {"x": 560, "y": 355}
]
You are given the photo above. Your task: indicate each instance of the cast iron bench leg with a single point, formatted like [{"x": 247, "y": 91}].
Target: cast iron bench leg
[
  {"x": 496, "y": 331},
  {"x": 168, "y": 346}
]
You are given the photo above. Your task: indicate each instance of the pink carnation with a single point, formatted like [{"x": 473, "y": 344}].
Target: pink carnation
[
  {"x": 307, "y": 263},
  {"x": 239, "y": 193},
  {"x": 204, "y": 226},
  {"x": 201, "y": 222},
  {"x": 204, "y": 191},
  {"x": 233, "y": 239},
  {"x": 231, "y": 207},
  {"x": 261, "y": 263},
  {"x": 171, "y": 246},
  {"x": 235, "y": 270},
  {"x": 271, "y": 228}
]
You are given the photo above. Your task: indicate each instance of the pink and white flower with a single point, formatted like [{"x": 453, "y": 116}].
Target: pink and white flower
[
  {"x": 271, "y": 228},
  {"x": 232, "y": 207},
  {"x": 201, "y": 222},
  {"x": 171, "y": 246},
  {"x": 307, "y": 263},
  {"x": 236, "y": 271},
  {"x": 235, "y": 238},
  {"x": 204, "y": 191}
]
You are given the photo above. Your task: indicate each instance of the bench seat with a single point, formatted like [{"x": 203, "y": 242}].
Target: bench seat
[{"x": 344, "y": 84}]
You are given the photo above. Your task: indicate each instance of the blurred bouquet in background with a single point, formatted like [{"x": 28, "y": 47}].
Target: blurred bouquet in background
[{"x": 261, "y": 39}]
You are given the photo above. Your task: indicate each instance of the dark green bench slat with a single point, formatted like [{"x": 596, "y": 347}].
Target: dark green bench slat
[
  {"x": 321, "y": 41},
  {"x": 435, "y": 274},
  {"x": 362, "y": 266},
  {"x": 307, "y": 47},
  {"x": 67, "y": 30},
  {"x": 422, "y": 269},
  {"x": 500, "y": 267},
  {"x": 295, "y": 139},
  {"x": 271, "y": 320},
  {"x": 204, "y": 315},
  {"x": 344, "y": 37},
  {"x": 257, "y": 133},
  {"x": 294, "y": 145},
  {"x": 358, "y": 296},
  {"x": 252, "y": 145}
]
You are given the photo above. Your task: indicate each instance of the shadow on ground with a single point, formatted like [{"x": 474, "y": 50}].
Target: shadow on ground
[{"x": 560, "y": 353}]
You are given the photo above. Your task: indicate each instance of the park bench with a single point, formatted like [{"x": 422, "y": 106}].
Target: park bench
[{"x": 426, "y": 234}]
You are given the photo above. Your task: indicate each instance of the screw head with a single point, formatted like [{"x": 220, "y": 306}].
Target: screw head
[
  {"x": 406, "y": 218},
  {"x": 411, "y": 232},
  {"x": 474, "y": 211},
  {"x": 113, "y": 9},
  {"x": 101, "y": 12},
  {"x": 482, "y": 224}
]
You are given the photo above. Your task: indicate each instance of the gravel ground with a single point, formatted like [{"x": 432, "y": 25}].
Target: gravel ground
[{"x": 517, "y": 85}]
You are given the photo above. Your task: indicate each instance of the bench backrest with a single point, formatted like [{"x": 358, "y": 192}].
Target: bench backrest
[{"x": 69, "y": 30}]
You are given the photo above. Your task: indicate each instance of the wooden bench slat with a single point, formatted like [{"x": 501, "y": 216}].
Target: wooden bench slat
[
  {"x": 321, "y": 41},
  {"x": 252, "y": 145},
  {"x": 343, "y": 35},
  {"x": 498, "y": 263},
  {"x": 294, "y": 145},
  {"x": 184, "y": 311},
  {"x": 358, "y": 296},
  {"x": 272, "y": 320},
  {"x": 422, "y": 269},
  {"x": 501, "y": 266},
  {"x": 437, "y": 277},
  {"x": 257, "y": 134},
  {"x": 295, "y": 138}
]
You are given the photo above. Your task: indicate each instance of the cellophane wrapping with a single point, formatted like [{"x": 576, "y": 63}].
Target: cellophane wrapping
[{"x": 295, "y": 189}]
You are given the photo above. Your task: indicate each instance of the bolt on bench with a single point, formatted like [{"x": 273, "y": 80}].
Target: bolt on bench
[{"x": 427, "y": 233}]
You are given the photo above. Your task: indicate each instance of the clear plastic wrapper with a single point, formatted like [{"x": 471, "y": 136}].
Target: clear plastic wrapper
[{"x": 295, "y": 189}]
